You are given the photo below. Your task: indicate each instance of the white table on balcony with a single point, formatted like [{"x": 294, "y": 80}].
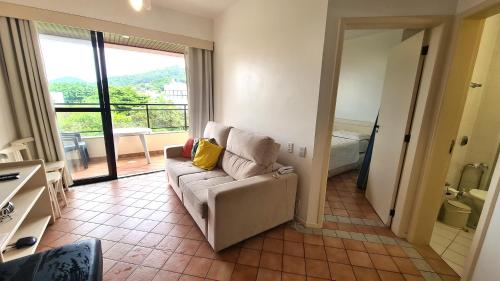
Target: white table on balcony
[{"x": 125, "y": 132}]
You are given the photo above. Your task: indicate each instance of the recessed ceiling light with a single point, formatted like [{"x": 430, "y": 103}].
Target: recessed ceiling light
[
  {"x": 139, "y": 5},
  {"x": 136, "y": 4}
]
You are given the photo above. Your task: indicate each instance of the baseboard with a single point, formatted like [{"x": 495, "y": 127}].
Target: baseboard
[{"x": 308, "y": 224}]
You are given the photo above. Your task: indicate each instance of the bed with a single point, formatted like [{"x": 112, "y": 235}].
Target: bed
[{"x": 347, "y": 151}]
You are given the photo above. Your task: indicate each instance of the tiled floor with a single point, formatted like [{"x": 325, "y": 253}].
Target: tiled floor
[
  {"x": 125, "y": 166},
  {"x": 452, "y": 244},
  {"x": 147, "y": 235}
]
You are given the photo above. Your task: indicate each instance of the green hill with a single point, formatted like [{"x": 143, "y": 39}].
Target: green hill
[{"x": 152, "y": 80}]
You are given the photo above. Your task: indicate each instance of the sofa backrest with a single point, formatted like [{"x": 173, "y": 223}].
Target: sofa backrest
[
  {"x": 217, "y": 131},
  {"x": 248, "y": 154}
]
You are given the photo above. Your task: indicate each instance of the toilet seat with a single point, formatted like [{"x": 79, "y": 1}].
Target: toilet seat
[{"x": 478, "y": 194}]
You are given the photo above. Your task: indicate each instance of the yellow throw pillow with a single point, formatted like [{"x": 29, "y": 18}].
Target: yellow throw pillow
[{"x": 207, "y": 155}]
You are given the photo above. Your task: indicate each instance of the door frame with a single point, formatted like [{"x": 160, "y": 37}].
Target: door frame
[
  {"x": 97, "y": 41},
  {"x": 434, "y": 80}
]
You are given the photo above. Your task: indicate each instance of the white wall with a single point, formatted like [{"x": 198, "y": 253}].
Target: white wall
[
  {"x": 8, "y": 131},
  {"x": 273, "y": 73},
  {"x": 485, "y": 138},
  {"x": 159, "y": 18},
  {"x": 362, "y": 74},
  {"x": 132, "y": 144},
  {"x": 267, "y": 71}
]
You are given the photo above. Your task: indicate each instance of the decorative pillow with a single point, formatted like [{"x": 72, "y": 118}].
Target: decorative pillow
[
  {"x": 207, "y": 154},
  {"x": 195, "y": 146},
  {"x": 196, "y": 143},
  {"x": 188, "y": 147}
]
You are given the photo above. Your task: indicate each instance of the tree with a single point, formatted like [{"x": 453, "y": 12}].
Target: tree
[
  {"x": 74, "y": 91},
  {"x": 126, "y": 89},
  {"x": 126, "y": 95}
]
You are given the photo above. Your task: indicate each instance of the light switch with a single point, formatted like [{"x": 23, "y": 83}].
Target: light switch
[
  {"x": 302, "y": 151},
  {"x": 290, "y": 147}
]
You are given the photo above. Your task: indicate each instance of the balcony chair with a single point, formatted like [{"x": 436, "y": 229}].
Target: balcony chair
[{"x": 73, "y": 142}]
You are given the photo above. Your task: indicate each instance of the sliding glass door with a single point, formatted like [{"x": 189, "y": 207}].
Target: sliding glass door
[
  {"x": 75, "y": 69},
  {"x": 119, "y": 100},
  {"x": 148, "y": 94}
]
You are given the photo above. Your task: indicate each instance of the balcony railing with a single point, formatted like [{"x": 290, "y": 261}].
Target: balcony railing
[{"x": 157, "y": 116}]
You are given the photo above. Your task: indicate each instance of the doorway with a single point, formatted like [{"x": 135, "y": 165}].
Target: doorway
[
  {"x": 474, "y": 155},
  {"x": 378, "y": 84}
]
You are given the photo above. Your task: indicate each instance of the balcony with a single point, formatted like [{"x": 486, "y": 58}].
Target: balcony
[{"x": 168, "y": 123}]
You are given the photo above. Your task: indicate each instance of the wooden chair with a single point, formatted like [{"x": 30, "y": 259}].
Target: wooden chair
[
  {"x": 54, "y": 180},
  {"x": 23, "y": 145},
  {"x": 54, "y": 170}
]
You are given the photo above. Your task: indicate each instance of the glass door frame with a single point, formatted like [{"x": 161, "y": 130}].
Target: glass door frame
[{"x": 97, "y": 40}]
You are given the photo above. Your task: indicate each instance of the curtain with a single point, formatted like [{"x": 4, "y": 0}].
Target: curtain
[
  {"x": 27, "y": 85},
  {"x": 365, "y": 167},
  {"x": 200, "y": 89}
]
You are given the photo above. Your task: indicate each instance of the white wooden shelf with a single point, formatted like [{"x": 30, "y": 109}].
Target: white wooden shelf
[
  {"x": 23, "y": 202},
  {"x": 30, "y": 227},
  {"x": 32, "y": 210}
]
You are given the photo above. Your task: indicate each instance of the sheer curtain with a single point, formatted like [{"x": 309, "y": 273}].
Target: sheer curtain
[
  {"x": 200, "y": 89},
  {"x": 28, "y": 90}
]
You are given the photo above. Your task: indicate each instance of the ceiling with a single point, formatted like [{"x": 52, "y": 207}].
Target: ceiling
[
  {"x": 204, "y": 8},
  {"x": 111, "y": 38}
]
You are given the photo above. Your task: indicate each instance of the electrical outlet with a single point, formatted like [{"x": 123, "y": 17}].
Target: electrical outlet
[
  {"x": 302, "y": 151},
  {"x": 290, "y": 147}
]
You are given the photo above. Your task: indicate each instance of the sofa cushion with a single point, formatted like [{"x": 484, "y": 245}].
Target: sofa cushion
[
  {"x": 176, "y": 167},
  {"x": 207, "y": 155},
  {"x": 248, "y": 154},
  {"x": 195, "y": 188},
  {"x": 217, "y": 131}
]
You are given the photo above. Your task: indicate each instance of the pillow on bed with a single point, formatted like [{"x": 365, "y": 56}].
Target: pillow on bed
[{"x": 351, "y": 135}]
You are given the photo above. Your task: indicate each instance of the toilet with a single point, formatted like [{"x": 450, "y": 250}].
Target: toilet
[
  {"x": 456, "y": 213},
  {"x": 476, "y": 199}
]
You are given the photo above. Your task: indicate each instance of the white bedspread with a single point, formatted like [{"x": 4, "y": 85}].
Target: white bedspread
[{"x": 346, "y": 152}]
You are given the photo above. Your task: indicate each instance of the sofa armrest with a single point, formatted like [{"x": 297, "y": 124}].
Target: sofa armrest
[
  {"x": 173, "y": 151},
  {"x": 241, "y": 209}
]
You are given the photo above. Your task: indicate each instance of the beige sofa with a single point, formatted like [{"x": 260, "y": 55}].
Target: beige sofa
[{"x": 242, "y": 196}]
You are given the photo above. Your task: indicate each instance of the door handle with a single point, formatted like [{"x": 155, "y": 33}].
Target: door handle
[{"x": 377, "y": 127}]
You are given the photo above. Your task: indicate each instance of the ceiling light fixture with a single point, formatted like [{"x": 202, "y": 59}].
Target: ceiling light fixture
[{"x": 139, "y": 5}]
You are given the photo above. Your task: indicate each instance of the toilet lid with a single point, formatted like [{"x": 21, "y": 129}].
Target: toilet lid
[
  {"x": 478, "y": 193},
  {"x": 459, "y": 205}
]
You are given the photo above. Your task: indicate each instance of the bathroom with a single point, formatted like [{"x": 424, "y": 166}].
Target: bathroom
[{"x": 474, "y": 156}]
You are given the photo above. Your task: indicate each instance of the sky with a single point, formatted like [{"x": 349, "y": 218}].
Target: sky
[{"x": 65, "y": 57}]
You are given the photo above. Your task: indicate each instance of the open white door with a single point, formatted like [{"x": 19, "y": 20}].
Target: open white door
[{"x": 402, "y": 78}]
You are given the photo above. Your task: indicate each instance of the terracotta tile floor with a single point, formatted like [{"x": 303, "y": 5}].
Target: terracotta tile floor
[
  {"x": 125, "y": 166},
  {"x": 147, "y": 235}
]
